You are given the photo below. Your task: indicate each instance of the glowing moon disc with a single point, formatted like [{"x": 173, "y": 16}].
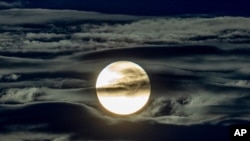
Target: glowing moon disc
[{"x": 123, "y": 87}]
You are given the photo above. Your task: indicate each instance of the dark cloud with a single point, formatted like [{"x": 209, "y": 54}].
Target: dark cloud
[{"x": 81, "y": 123}]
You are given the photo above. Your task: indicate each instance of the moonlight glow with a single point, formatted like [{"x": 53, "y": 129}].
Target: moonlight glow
[{"x": 123, "y": 88}]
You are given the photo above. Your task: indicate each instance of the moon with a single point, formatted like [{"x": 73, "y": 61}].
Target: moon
[{"x": 123, "y": 88}]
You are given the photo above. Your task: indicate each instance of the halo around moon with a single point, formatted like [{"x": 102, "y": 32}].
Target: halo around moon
[{"x": 123, "y": 88}]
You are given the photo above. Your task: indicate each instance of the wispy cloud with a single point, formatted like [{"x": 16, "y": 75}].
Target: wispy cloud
[
  {"x": 11, "y": 77},
  {"x": 94, "y": 31},
  {"x": 36, "y": 94},
  {"x": 46, "y": 16},
  {"x": 15, "y": 4},
  {"x": 198, "y": 108},
  {"x": 173, "y": 31},
  {"x": 43, "y": 36},
  {"x": 17, "y": 136},
  {"x": 20, "y": 95}
]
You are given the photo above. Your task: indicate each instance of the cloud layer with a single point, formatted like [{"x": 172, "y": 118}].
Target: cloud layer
[
  {"x": 198, "y": 68},
  {"x": 80, "y": 30}
]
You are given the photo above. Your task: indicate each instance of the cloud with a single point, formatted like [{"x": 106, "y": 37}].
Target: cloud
[
  {"x": 17, "y": 136},
  {"x": 80, "y": 122},
  {"x": 90, "y": 31},
  {"x": 62, "y": 45},
  {"x": 14, "y": 4},
  {"x": 41, "y": 94},
  {"x": 44, "y": 36},
  {"x": 239, "y": 83},
  {"x": 20, "y": 95},
  {"x": 12, "y": 77},
  {"x": 193, "y": 109},
  {"x": 173, "y": 30},
  {"x": 46, "y": 16}
]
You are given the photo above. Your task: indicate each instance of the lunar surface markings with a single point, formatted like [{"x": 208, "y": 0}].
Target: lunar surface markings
[{"x": 123, "y": 88}]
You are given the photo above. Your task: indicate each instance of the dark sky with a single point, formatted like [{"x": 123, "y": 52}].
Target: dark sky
[{"x": 148, "y": 7}]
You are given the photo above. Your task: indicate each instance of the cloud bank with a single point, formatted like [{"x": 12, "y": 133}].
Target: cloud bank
[{"x": 79, "y": 30}]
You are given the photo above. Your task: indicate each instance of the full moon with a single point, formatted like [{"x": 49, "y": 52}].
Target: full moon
[{"x": 123, "y": 88}]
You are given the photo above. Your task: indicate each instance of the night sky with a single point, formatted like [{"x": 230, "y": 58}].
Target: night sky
[
  {"x": 150, "y": 7},
  {"x": 196, "y": 54},
  {"x": 142, "y": 7}
]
